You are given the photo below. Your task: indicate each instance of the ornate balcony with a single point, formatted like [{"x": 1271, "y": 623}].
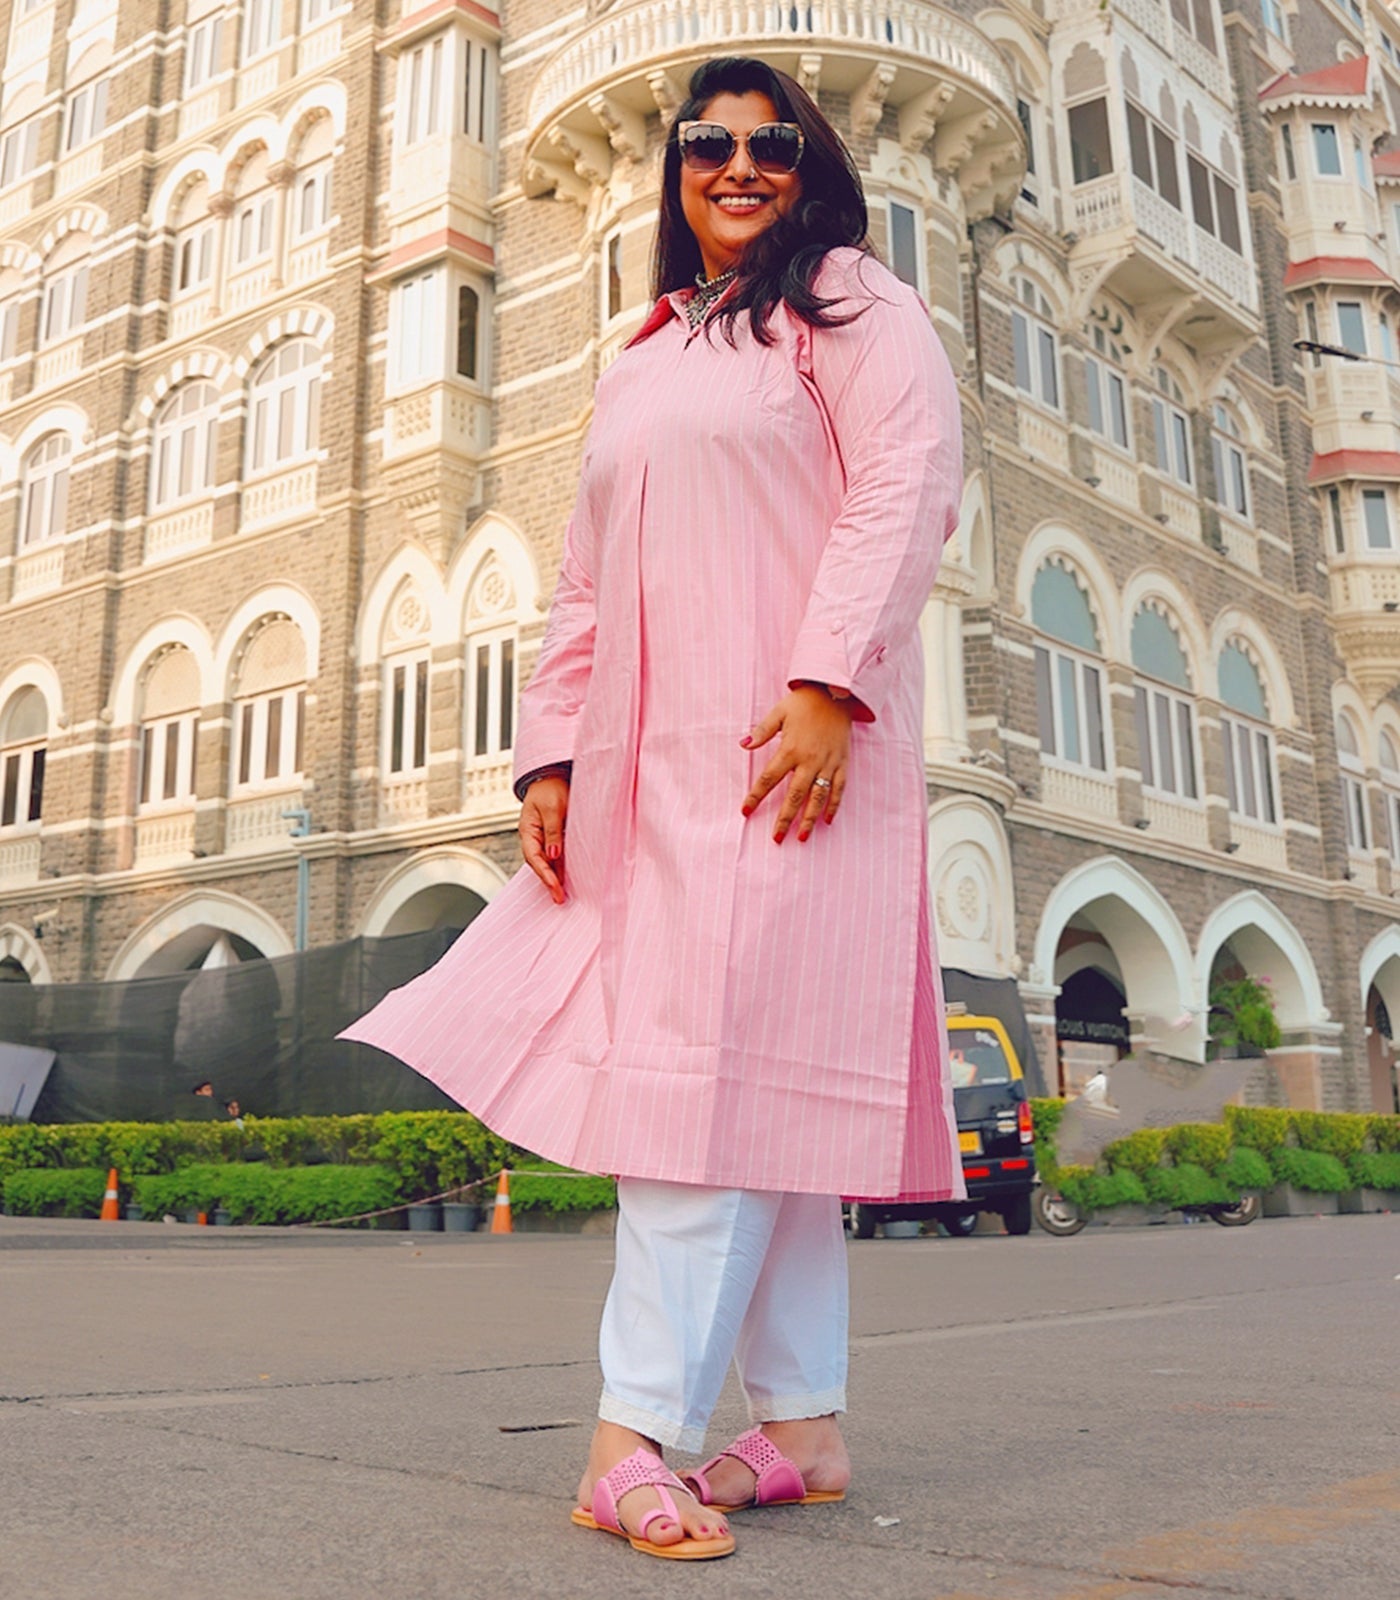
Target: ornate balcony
[
  {"x": 1366, "y": 617},
  {"x": 1132, "y": 241},
  {"x": 946, "y": 81}
]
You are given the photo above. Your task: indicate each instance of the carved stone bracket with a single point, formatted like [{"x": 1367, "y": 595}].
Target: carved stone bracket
[
  {"x": 919, "y": 117},
  {"x": 868, "y": 102},
  {"x": 955, "y": 141},
  {"x": 809, "y": 72},
  {"x": 433, "y": 492},
  {"x": 668, "y": 95},
  {"x": 627, "y": 132},
  {"x": 590, "y": 156}
]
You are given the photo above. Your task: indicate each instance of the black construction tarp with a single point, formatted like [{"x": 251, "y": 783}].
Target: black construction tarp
[{"x": 264, "y": 1032}]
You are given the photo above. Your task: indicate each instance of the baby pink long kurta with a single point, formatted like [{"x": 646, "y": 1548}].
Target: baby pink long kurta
[{"x": 707, "y": 1006}]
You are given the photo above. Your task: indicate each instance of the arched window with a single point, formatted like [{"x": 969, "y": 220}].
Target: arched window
[
  {"x": 1353, "y": 769},
  {"x": 1034, "y": 345},
  {"x": 311, "y": 193},
  {"x": 186, "y": 444},
  {"x": 491, "y": 660},
  {"x": 1107, "y": 386},
  {"x": 1389, "y": 753},
  {"x": 194, "y": 241},
  {"x": 85, "y": 115},
  {"x": 64, "y": 311},
  {"x": 24, "y": 730},
  {"x": 468, "y": 332},
  {"x": 1249, "y": 740},
  {"x": 284, "y": 406},
  {"x": 1227, "y": 452},
  {"x": 1164, "y": 709},
  {"x": 169, "y": 729},
  {"x": 11, "y": 288},
  {"x": 252, "y": 214},
  {"x": 270, "y": 711},
  {"x": 1068, "y": 683},
  {"x": 44, "y": 503},
  {"x": 1171, "y": 428}
]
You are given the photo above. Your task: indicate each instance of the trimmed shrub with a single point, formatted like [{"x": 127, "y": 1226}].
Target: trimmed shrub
[
  {"x": 260, "y": 1193},
  {"x": 1312, "y": 1170},
  {"x": 1244, "y": 1168},
  {"x": 1385, "y": 1132},
  {"x": 1098, "y": 1191},
  {"x": 1045, "y": 1119},
  {"x": 1262, "y": 1128},
  {"x": 1334, "y": 1133},
  {"x": 1372, "y": 1169},
  {"x": 1204, "y": 1144},
  {"x": 55, "y": 1192},
  {"x": 1187, "y": 1185},
  {"x": 1140, "y": 1152},
  {"x": 557, "y": 1189}
]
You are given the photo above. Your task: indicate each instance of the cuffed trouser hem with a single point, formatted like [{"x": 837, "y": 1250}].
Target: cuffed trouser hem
[
  {"x": 797, "y": 1407},
  {"x": 673, "y": 1435}
]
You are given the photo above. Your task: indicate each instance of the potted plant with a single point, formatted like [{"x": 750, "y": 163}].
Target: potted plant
[{"x": 1242, "y": 1018}]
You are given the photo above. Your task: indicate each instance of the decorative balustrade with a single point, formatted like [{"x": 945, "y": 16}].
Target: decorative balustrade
[
  {"x": 403, "y": 800},
  {"x": 164, "y": 836},
  {"x": 248, "y": 288},
  {"x": 279, "y": 498},
  {"x": 1227, "y": 269},
  {"x": 487, "y": 788},
  {"x": 1097, "y": 207},
  {"x": 1240, "y": 543},
  {"x": 1364, "y": 872},
  {"x": 1118, "y": 476},
  {"x": 1259, "y": 846},
  {"x": 1043, "y": 436},
  {"x": 59, "y": 363},
  {"x": 1204, "y": 65},
  {"x": 38, "y": 571},
  {"x": 307, "y": 261},
  {"x": 1078, "y": 792},
  {"x": 1161, "y": 221},
  {"x": 1176, "y": 820},
  {"x": 189, "y": 315},
  {"x": 319, "y": 45},
  {"x": 190, "y": 528},
  {"x": 19, "y": 858},
  {"x": 1181, "y": 511},
  {"x": 76, "y": 170},
  {"x": 256, "y": 822},
  {"x": 260, "y": 78},
  {"x": 657, "y": 31},
  {"x": 442, "y": 416},
  {"x": 199, "y": 110},
  {"x": 30, "y": 40},
  {"x": 16, "y": 204}
]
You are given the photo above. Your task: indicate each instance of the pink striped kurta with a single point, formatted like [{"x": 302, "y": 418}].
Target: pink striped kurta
[{"x": 707, "y": 1006}]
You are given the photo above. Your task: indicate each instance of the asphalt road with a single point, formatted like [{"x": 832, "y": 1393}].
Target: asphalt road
[{"x": 1125, "y": 1415}]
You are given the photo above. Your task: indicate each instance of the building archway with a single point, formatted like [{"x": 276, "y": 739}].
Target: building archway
[
  {"x": 184, "y": 936},
  {"x": 443, "y": 889},
  {"x": 1380, "y": 992}
]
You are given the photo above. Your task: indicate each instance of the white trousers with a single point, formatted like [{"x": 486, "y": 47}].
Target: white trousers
[{"x": 708, "y": 1276}]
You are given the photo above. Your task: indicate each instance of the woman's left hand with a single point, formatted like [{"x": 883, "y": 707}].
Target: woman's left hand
[{"x": 816, "y": 743}]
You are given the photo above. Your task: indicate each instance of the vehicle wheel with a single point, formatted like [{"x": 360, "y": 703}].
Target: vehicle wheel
[
  {"x": 1056, "y": 1214},
  {"x": 1017, "y": 1214},
  {"x": 862, "y": 1222},
  {"x": 958, "y": 1222},
  {"x": 1248, "y": 1207}
]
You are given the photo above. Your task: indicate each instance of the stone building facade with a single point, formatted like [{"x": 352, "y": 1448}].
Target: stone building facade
[{"x": 301, "y": 309}]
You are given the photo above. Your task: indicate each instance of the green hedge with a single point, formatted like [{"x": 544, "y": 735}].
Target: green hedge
[
  {"x": 258, "y": 1193},
  {"x": 1375, "y": 1169},
  {"x": 66, "y": 1192},
  {"x": 556, "y": 1189}
]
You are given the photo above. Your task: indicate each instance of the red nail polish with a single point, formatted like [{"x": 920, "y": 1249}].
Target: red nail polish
[{"x": 745, "y": 742}]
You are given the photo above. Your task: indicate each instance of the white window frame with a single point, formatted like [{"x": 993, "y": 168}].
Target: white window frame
[
  {"x": 313, "y": 192},
  {"x": 19, "y": 152},
  {"x": 21, "y": 759},
  {"x": 422, "y": 91},
  {"x": 491, "y": 734},
  {"x": 194, "y": 249},
  {"x": 1171, "y": 429},
  {"x": 315, "y": 12},
  {"x": 284, "y": 411},
  {"x": 203, "y": 48},
  {"x": 457, "y": 282},
  {"x": 1231, "y": 463},
  {"x": 1275, "y": 19},
  {"x": 1359, "y": 308},
  {"x": 85, "y": 116},
  {"x": 63, "y": 313},
  {"x": 1157, "y": 136},
  {"x": 252, "y": 230},
  {"x": 268, "y": 736},
  {"x": 1036, "y": 347},
  {"x": 1154, "y": 702},
  {"x": 1028, "y": 114},
  {"x": 477, "y": 75},
  {"x": 1318, "y": 144},
  {"x": 1251, "y": 769},
  {"x": 407, "y": 723},
  {"x": 262, "y": 28},
  {"x": 417, "y": 335},
  {"x": 1289, "y": 163},
  {"x": 44, "y": 491},
  {"x": 1109, "y": 405},
  {"x": 1371, "y": 497},
  {"x": 168, "y": 754},
  {"x": 612, "y": 276},
  {"x": 1070, "y": 675},
  {"x": 9, "y": 327},
  {"x": 919, "y": 282},
  {"x": 184, "y": 447},
  {"x": 1390, "y": 794}
]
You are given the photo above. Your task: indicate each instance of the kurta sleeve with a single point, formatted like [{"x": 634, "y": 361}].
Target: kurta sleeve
[
  {"x": 888, "y": 393},
  {"x": 552, "y": 701}
]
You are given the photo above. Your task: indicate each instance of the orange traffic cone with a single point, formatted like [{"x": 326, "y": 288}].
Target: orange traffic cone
[
  {"x": 500, "y": 1216},
  {"x": 110, "y": 1210}
]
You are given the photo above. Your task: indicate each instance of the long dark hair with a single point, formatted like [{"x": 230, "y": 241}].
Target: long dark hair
[{"x": 782, "y": 262}]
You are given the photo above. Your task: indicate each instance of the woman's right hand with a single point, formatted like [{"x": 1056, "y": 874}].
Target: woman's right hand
[{"x": 542, "y": 814}]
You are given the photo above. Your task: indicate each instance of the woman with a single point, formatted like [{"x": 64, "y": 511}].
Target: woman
[{"x": 714, "y": 977}]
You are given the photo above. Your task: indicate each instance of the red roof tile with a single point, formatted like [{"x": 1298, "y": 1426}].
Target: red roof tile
[
  {"x": 1344, "y": 78},
  {"x": 1342, "y": 269},
  {"x": 1354, "y": 464},
  {"x": 1386, "y": 164}
]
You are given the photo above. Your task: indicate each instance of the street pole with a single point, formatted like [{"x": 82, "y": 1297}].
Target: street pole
[{"x": 300, "y": 818}]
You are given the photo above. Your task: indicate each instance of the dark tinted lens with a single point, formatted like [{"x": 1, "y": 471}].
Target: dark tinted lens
[
  {"x": 775, "y": 147},
  {"x": 707, "y": 146}
]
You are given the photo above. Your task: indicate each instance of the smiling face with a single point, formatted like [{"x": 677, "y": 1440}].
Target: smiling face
[{"x": 727, "y": 209}]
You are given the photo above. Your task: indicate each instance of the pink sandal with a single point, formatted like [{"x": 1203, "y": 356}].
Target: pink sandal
[
  {"x": 645, "y": 1470},
  {"x": 777, "y": 1482}
]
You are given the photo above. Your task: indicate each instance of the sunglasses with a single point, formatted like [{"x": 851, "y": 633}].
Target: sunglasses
[{"x": 710, "y": 146}]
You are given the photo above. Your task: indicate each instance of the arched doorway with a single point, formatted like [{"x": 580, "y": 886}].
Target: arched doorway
[
  {"x": 442, "y": 905},
  {"x": 1382, "y": 1065}
]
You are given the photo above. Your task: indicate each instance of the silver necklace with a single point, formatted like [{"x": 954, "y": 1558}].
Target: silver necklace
[{"x": 707, "y": 292}]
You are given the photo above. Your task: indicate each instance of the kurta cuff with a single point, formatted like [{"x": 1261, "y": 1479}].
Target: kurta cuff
[
  {"x": 819, "y": 656},
  {"x": 542, "y": 742}
]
